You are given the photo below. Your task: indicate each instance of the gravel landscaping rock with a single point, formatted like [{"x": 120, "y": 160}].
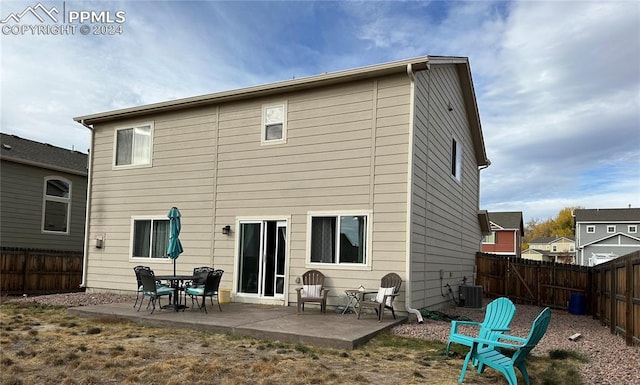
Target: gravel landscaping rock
[{"x": 611, "y": 362}]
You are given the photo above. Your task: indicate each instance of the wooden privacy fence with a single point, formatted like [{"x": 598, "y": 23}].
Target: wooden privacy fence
[
  {"x": 609, "y": 291},
  {"x": 616, "y": 285},
  {"x": 34, "y": 271}
]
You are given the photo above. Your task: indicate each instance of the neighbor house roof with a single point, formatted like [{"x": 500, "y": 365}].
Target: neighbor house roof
[
  {"x": 402, "y": 66},
  {"x": 16, "y": 149},
  {"x": 550, "y": 239},
  {"x": 607, "y": 215},
  {"x": 508, "y": 220}
]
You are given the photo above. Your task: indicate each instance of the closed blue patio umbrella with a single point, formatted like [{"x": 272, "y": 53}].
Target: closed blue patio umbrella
[{"x": 175, "y": 247}]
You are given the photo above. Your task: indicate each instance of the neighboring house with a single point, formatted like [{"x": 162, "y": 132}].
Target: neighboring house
[
  {"x": 356, "y": 173},
  {"x": 551, "y": 249},
  {"x": 507, "y": 230},
  {"x": 43, "y": 190},
  {"x": 605, "y": 234}
]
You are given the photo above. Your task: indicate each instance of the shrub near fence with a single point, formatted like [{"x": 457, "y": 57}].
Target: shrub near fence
[
  {"x": 35, "y": 271},
  {"x": 611, "y": 290}
]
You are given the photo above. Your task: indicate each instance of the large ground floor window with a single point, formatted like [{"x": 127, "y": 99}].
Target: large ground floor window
[
  {"x": 150, "y": 238},
  {"x": 338, "y": 239}
]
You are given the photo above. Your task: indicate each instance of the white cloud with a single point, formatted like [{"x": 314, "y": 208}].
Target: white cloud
[{"x": 557, "y": 82}]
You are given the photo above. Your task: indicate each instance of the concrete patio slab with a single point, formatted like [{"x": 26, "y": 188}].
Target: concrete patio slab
[{"x": 279, "y": 323}]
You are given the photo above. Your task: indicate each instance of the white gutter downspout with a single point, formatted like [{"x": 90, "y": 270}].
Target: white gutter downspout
[
  {"x": 475, "y": 268},
  {"x": 85, "y": 258},
  {"x": 407, "y": 287}
]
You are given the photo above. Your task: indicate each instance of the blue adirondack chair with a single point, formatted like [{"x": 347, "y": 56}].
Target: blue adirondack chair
[
  {"x": 486, "y": 352},
  {"x": 499, "y": 314}
]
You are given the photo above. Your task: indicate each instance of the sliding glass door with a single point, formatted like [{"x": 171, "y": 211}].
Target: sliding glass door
[{"x": 261, "y": 259}]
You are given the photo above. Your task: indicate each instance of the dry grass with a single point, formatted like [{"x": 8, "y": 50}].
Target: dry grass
[{"x": 44, "y": 345}]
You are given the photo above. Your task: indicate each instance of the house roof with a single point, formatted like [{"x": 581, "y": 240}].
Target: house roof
[
  {"x": 508, "y": 220},
  {"x": 403, "y": 66},
  {"x": 550, "y": 239},
  {"x": 607, "y": 215},
  {"x": 16, "y": 149}
]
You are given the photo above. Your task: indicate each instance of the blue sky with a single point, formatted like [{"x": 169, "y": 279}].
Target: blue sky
[{"x": 557, "y": 83}]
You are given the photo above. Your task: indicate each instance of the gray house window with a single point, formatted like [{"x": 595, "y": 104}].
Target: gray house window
[
  {"x": 150, "y": 238},
  {"x": 591, "y": 229},
  {"x": 133, "y": 146},
  {"x": 632, "y": 229},
  {"x": 56, "y": 205},
  {"x": 339, "y": 239},
  {"x": 611, "y": 229}
]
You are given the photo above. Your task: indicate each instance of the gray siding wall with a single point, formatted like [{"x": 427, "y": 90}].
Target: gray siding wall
[
  {"x": 608, "y": 243},
  {"x": 445, "y": 234},
  {"x": 21, "y": 194}
]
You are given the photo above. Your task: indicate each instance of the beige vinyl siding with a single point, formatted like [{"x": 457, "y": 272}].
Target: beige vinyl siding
[
  {"x": 445, "y": 231},
  {"x": 181, "y": 175},
  {"x": 326, "y": 165},
  {"x": 21, "y": 194}
]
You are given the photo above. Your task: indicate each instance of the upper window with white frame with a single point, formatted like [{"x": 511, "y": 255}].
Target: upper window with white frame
[
  {"x": 456, "y": 159},
  {"x": 56, "y": 205},
  {"x": 338, "y": 239},
  {"x": 591, "y": 229},
  {"x": 274, "y": 123},
  {"x": 133, "y": 146},
  {"x": 611, "y": 229},
  {"x": 632, "y": 229},
  {"x": 150, "y": 237}
]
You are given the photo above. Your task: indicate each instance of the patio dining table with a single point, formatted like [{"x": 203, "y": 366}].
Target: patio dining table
[{"x": 177, "y": 282}]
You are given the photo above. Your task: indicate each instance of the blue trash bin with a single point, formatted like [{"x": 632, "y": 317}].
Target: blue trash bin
[{"x": 577, "y": 304}]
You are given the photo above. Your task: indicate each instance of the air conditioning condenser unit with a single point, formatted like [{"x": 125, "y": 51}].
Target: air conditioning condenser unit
[{"x": 471, "y": 296}]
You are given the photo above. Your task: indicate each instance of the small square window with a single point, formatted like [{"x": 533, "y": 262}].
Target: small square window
[
  {"x": 633, "y": 229},
  {"x": 489, "y": 239},
  {"x": 274, "y": 125},
  {"x": 611, "y": 229},
  {"x": 591, "y": 229},
  {"x": 133, "y": 146}
]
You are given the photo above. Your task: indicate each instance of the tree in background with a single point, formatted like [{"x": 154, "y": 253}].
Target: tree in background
[{"x": 561, "y": 226}]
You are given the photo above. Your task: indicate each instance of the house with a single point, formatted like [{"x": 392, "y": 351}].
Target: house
[
  {"x": 604, "y": 234},
  {"x": 507, "y": 230},
  {"x": 43, "y": 190},
  {"x": 356, "y": 173},
  {"x": 551, "y": 249}
]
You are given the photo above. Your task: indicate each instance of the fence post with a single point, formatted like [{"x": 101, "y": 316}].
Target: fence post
[
  {"x": 628, "y": 294},
  {"x": 25, "y": 258},
  {"x": 614, "y": 299}
]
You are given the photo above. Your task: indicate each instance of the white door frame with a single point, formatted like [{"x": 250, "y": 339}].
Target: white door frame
[{"x": 259, "y": 298}]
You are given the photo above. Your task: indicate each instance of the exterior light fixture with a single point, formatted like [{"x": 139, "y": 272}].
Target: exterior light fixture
[{"x": 226, "y": 230}]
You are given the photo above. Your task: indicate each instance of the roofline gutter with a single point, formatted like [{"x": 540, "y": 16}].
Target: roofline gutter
[
  {"x": 87, "y": 215},
  {"x": 407, "y": 287},
  {"x": 267, "y": 89}
]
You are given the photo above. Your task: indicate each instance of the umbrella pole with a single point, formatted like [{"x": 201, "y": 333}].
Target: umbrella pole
[{"x": 174, "y": 266}]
